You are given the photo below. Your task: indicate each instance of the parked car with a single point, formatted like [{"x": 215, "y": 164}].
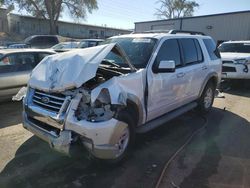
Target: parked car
[
  {"x": 18, "y": 45},
  {"x": 106, "y": 94},
  {"x": 41, "y": 41},
  {"x": 85, "y": 43},
  {"x": 15, "y": 68},
  {"x": 236, "y": 59},
  {"x": 65, "y": 46}
]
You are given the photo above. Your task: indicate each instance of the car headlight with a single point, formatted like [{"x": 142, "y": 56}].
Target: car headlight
[{"x": 241, "y": 61}]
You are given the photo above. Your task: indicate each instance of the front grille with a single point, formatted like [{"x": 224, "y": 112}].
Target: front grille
[
  {"x": 49, "y": 101},
  {"x": 44, "y": 126},
  {"x": 227, "y": 62},
  {"x": 228, "y": 69}
]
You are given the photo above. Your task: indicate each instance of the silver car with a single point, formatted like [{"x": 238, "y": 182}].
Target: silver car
[{"x": 15, "y": 68}]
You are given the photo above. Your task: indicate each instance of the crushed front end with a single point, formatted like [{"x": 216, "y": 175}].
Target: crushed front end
[{"x": 61, "y": 119}]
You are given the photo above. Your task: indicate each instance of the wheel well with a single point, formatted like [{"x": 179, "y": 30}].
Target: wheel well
[
  {"x": 213, "y": 80},
  {"x": 133, "y": 110}
]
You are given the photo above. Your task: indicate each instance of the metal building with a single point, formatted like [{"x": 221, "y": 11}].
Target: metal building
[
  {"x": 28, "y": 25},
  {"x": 222, "y": 27}
]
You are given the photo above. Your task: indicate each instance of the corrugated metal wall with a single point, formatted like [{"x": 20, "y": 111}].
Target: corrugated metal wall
[{"x": 233, "y": 26}]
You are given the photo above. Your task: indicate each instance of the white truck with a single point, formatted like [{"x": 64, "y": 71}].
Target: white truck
[
  {"x": 235, "y": 59},
  {"x": 133, "y": 83}
]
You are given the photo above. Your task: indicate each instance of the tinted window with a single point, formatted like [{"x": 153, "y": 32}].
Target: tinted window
[
  {"x": 51, "y": 39},
  {"x": 42, "y": 55},
  {"x": 199, "y": 51},
  {"x": 17, "y": 62},
  {"x": 211, "y": 49},
  {"x": 169, "y": 51},
  {"x": 235, "y": 47},
  {"x": 190, "y": 54}
]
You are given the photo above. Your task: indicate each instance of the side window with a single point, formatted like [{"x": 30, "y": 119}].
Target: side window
[
  {"x": 41, "y": 56},
  {"x": 190, "y": 54},
  {"x": 199, "y": 51},
  {"x": 92, "y": 43},
  {"x": 17, "y": 63},
  {"x": 169, "y": 51},
  {"x": 51, "y": 39},
  {"x": 7, "y": 64},
  {"x": 211, "y": 49}
]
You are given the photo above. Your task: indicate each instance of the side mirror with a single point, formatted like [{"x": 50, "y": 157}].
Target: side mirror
[{"x": 164, "y": 67}]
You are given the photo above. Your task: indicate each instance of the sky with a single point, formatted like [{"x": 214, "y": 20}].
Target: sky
[{"x": 123, "y": 14}]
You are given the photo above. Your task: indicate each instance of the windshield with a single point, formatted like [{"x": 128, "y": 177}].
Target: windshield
[
  {"x": 138, "y": 50},
  {"x": 1, "y": 55},
  {"x": 235, "y": 47}
]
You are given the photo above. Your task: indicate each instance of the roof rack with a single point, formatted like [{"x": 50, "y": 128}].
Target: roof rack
[
  {"x": 152, "y": 31},
  {"x": 188, "y": 32},
  {"x": 171, "y": 32}
]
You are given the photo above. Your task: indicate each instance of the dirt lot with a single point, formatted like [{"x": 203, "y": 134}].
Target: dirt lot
[{"x": 219, "y": 156}]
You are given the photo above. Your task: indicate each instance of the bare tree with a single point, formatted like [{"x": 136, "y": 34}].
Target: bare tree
[
  {"x": 52, "y": 9},
  {"x": 175, "y": 8}
]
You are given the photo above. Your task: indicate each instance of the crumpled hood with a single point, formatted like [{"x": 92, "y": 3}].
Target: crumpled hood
[
  {"x": 233, "y": 56},
  {"x": 68, "y": 70}
]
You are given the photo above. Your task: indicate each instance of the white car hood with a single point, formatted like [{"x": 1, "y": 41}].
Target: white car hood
[
  {"x": 232, "y": 56},
  {"x": 68, "y": 70}
]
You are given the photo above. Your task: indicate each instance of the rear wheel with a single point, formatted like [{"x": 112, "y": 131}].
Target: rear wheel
[{"x": 206, "y": 100}]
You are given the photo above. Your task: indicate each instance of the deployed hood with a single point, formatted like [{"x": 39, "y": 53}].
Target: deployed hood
[
  {"x": 69, "y": 70},
  {"x": 232, "y": 56}
]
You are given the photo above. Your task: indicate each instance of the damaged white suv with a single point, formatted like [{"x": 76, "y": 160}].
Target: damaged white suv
[{"x": 104, "y": 95}]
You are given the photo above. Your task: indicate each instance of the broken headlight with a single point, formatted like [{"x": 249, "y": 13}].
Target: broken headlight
[
  {"x": 98, "y": 111},
  {"x": 241, "y": 61}
]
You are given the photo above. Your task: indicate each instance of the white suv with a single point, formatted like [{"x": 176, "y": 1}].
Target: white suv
[
  {"x": 236, "y": 59},
  {"x": 133, "y": 83}
]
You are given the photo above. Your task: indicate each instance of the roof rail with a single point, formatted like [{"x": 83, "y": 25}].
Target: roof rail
[
  {"x": 170, "y": 32},
  {"x": 189, "y": 32},
  {"x": 152, "y": 31}
]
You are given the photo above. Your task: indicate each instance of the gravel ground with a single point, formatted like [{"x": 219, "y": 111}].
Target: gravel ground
[{"x": 217, "y": 157}]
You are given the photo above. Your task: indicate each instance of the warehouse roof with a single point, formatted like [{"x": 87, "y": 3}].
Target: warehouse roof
[{"x": 220, "y": 14}]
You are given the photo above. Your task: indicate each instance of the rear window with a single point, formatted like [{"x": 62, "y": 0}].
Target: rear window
[
  {"x": 211, "y": 49},
  {"x": 235, "y": 47}
]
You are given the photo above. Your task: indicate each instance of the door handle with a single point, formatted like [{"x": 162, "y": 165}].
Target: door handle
[
  {"x": 180, "y": 75},
  {"x": 204, "y": 68}
]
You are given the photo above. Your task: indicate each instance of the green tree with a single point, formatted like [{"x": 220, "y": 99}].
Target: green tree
[
  {"x": 51, "y": 10},
  {"x": 175, "y": 8}
]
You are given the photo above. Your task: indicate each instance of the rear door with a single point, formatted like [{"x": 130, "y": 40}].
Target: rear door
[{"x": 195, "y": 67}]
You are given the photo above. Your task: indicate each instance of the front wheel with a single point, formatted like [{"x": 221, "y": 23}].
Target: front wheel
[
  {"x": 125, "y": 141},
  {"x": 206, "y": 100}
]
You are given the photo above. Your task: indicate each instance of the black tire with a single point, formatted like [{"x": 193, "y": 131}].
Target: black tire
[
  {"x": 206, "y": 100},
  {"x": 127, "y": 118}
]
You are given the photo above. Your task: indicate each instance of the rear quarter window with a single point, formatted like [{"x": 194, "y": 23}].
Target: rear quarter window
[{"x": 212, "y": 49}]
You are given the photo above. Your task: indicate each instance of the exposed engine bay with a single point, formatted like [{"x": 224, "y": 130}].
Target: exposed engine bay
[{"x": 101, "y": 109}]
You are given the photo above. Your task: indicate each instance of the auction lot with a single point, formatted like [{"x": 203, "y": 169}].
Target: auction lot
[{"x": 219, "y": 156}]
